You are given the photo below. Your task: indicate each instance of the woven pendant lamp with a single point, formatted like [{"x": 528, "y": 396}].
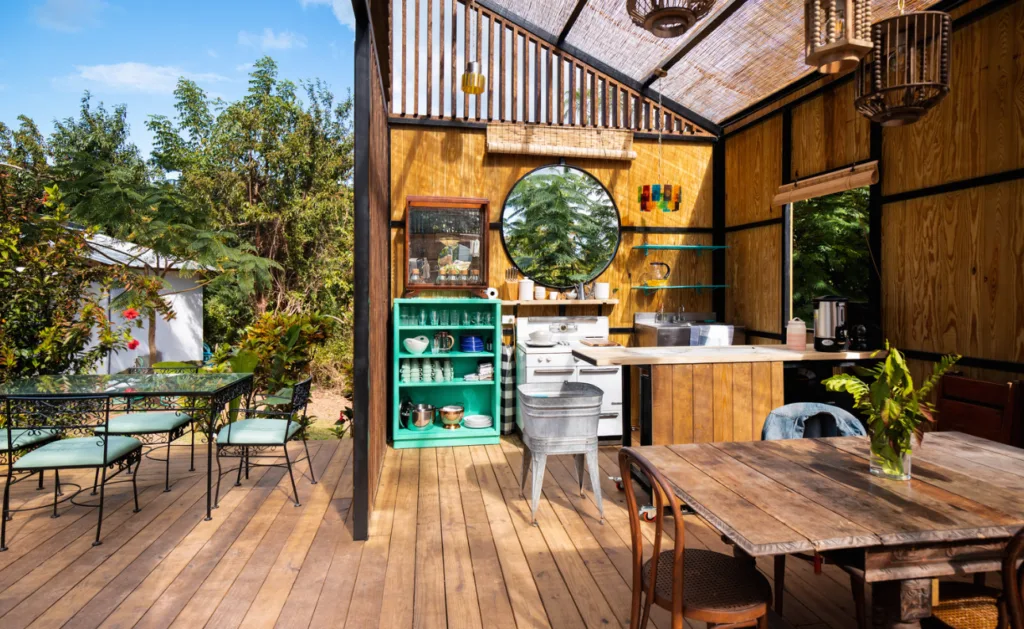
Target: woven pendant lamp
[
  {"x": 667, "y": 18},
  {"x": 836, "y": 34},
  {"x": 907, "y": 71},
  {"x": 472, "y": 81}
]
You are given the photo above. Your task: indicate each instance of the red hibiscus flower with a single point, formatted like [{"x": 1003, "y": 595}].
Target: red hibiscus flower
[
  {"x": 132, "y": 344},
  {"x": 131, "y": 314}
]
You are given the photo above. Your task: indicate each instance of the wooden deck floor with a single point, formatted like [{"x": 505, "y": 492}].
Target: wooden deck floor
[{"x": 451, "y": 546}]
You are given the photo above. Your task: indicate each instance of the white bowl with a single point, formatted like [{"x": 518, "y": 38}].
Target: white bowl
[
  {"x": 540, "y": 336},
  {"x": 416, "y": 345}
]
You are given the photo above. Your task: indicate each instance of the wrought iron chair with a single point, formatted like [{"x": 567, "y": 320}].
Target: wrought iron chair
[
  {"x": 153, "y": 418},
  {"x": 264, "y": 428},
  {"x": 691, "y": 583},
  {"x": 64, "y": 416},
  {"x": 1013, "y": 581}
]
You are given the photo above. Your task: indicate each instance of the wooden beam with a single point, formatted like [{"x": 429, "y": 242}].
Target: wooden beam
[
  {"x": 570, "y": 22},
  {"x": 696, "y": 36}
]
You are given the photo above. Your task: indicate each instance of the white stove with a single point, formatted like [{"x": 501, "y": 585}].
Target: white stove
[{"x": 555, "y": 363}]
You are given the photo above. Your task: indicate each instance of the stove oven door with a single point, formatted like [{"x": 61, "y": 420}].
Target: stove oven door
[
  {"x": 609, "y": 380},
  {"x": 554, "y": 373}
]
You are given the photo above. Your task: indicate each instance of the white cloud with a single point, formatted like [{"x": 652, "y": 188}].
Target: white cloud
[
  {"x": 136, "y": 77},
  {"x": 211, "y": 52},
  {"x": 342, "y": 10},
  {"x": 270, "y": 40},
  {"x": 69, "y": 16},
  {"x": 243, "y": 67}
]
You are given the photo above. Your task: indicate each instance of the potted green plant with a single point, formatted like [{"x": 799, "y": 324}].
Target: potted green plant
[{"x": 894, "y": 409}]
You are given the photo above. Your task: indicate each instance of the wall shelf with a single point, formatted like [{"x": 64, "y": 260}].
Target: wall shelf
[
  {"x": 560, "y": 302},
  {"x": 439, "y": 355},
  {"x": 458, "y": 382},
  {"x": 698, "y": 248},
  {"x": 696, "y": 287}
]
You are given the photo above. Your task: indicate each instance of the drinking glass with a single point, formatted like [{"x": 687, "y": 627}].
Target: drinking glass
[
  {"x": 433, "y": 317},
  {"x": 423, "y": 316},
  {"x": 444, "y": 317},
  {"x": 477, "y": 318},
  {"x": 487, "y": 318},
  {"x": 465, "y": 317}
]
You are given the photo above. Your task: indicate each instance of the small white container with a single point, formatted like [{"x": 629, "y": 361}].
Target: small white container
[
  {"x": 602, "y": 290},
  {"x": 796, "y": 335},
  {"x": 539, "y": 292},
  {"x": 525, "y": 290}
]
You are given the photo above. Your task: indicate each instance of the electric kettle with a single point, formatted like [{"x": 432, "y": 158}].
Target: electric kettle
[
  {"x": 830, "y": 333},
  {"x": 656, "y": 275}
]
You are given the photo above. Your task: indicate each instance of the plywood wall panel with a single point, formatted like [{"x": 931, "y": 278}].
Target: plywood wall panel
[
  {"x": 828, "y": 133},
  {"x": 753, "y": 271},
  {"x": 753, "y": 172},
  {"x": 978, "y": 128},
  {"x": 953, "y": 277},
  {"x": 454, "y": 162}
]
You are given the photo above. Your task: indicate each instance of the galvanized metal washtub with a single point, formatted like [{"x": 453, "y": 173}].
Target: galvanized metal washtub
[{"x": 560, "y": 418}]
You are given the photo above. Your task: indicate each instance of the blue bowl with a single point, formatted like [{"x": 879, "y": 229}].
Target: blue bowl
[{"x": 471, "y": 343}]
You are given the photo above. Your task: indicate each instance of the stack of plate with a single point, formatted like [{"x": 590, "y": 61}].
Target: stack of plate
[
  {"x": 471, "y": 343},
  {"x": 477, "y": 421}
]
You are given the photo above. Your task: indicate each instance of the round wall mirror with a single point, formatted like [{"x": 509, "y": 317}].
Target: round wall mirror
[{"x": 560, "y": 226}]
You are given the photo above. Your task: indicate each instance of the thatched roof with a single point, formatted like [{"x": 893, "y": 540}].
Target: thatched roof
[{"x": 756, "y": 50}]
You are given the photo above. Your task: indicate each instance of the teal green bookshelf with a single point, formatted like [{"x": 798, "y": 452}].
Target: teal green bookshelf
[{"x": 475, "y": 396}]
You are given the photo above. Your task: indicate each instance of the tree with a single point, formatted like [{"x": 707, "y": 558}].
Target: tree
[
  {"x": 277, "y": 171},
  {"x": 830, "y": 249},
  {"x": 560, "y": 226},
  {"x": 52, "y": 316}
]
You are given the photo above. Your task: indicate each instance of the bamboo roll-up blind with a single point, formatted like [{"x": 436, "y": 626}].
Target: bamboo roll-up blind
[
  {"x": 830, "y": 183},
  {"x": 615, "y": 144},
  {"x": 528, "y": 79}
]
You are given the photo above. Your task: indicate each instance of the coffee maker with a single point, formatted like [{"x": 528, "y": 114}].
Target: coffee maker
[{"x": 830, "y": 330}]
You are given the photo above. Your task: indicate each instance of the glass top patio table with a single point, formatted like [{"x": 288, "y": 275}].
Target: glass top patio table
[
  {"x": 185, "y": 384},
  {"x": 218, "y": 388}
]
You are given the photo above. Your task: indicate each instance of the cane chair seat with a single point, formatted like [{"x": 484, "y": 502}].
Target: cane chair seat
[
  {"x": 77, "y": 452},
  {"x": 965, "y": 606},
  {"x": 714, "y": 584},
  {"x": 146, "y": 423},
  {"x": 27, "y": 437},
  {"x": 257, "y": 432}
]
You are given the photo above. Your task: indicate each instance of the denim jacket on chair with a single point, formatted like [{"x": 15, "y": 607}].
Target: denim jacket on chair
[{"x": 795, "y": 421}]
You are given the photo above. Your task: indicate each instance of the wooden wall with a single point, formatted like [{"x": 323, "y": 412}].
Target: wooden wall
[
  {"x": 454, "y": 162},
  {"x": 953, "y": 257}
]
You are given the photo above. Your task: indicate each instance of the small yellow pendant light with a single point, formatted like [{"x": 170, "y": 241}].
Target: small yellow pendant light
[{"x": 472, "y": 81}]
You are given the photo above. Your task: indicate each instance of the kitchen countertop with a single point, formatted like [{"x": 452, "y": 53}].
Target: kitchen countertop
[{"x": 605, "y": 356}]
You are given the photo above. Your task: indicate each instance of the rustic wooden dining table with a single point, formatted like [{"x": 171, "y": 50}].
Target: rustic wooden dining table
[{"x": 954, "y": 517}]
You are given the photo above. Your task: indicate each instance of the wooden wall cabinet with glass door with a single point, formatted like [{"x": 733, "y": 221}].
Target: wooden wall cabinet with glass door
[{"x": 446, "y": 244}]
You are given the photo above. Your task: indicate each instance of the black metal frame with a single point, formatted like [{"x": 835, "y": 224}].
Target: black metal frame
[
  {"x": 718, "y": 227},
  {"x": 39, "y": 413},
  {"x": 618, "y": 218},
  {"x": 244, "y": 452}
]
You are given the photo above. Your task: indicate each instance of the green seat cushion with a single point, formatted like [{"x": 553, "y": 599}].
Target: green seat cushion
[
  {"x": 25, "y": 437},
  {"x": 146, "y": 423},
  {"x": 77, "y": 452},
  {"x": 255, "y": 432}
]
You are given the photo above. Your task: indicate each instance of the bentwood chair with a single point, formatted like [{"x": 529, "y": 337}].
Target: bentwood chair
[
  {"x": 169, "y": 419},
  {"x": 691, "y": 583},
  {"x": 66, "y": 416},
  {"x": 1013, "y": 581},
  {"x": 262, "y": 429}
]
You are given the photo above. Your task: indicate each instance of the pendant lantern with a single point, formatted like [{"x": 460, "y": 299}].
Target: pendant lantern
[
  {"x": 907, "y": 71},
  {"x": 472, "y": 81},
  {"x": 667, "y": 18},
  {"x": 836, "y": 34}
]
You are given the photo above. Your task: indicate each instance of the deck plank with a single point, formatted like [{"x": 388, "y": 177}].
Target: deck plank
[{"x": 462, "y": 608}]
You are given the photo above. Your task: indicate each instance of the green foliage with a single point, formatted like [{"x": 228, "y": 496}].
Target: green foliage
[
  {"x": 830, "y": 249},
  {"x": 893, "y": 408},
  {"x": 560, "y": 226},
  {"x": 53, "y": 295},
  {"x": 279, "y": 347},
  {"x": 275, "y": 169}
]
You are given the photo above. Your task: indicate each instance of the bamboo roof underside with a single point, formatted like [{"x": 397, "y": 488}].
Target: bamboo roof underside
[{"x": 754, "y": 52}]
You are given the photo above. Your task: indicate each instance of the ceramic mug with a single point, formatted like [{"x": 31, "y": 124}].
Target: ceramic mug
[
  {"x": 602, "y": 290},
  {"x": 538, "y": 292},
  {"x": 553, "y": 295}
]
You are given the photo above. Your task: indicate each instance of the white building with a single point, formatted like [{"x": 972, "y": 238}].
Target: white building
[{"x": 181, "y": 338}]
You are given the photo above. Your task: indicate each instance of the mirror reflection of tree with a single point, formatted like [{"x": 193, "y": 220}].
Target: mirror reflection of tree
[{"x": 560, "y": 226}]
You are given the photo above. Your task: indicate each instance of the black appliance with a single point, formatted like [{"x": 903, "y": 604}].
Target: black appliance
[{"x": 830, "y": 331}]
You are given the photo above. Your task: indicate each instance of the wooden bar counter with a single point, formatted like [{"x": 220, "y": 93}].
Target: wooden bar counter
[{"x": 705, "y": 394}]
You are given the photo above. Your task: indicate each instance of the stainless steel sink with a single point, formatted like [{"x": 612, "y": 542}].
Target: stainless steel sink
[{"x": 651, "y": 332}]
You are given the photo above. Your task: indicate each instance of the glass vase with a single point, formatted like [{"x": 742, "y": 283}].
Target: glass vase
[{"x": 891, "y": 468}]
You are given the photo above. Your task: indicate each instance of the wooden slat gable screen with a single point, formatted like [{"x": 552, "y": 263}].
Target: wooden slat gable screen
[{"x": 433, "y": 39}]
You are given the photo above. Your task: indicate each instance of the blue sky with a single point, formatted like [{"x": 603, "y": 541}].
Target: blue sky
[{"x": 133, "y": 51}]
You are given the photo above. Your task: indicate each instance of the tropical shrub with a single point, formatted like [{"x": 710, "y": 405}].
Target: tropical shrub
[{"x": 283, "y": 345}]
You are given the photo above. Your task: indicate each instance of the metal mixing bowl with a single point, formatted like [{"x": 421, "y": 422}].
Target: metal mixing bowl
[{"x": 451, "y": 416}]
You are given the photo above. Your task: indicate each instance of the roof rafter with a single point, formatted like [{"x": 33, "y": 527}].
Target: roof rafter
[
  {"x": 570, "y": 22},
  {"x": 670, "y": 104},
  {"x": 695, "y": 37}
]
